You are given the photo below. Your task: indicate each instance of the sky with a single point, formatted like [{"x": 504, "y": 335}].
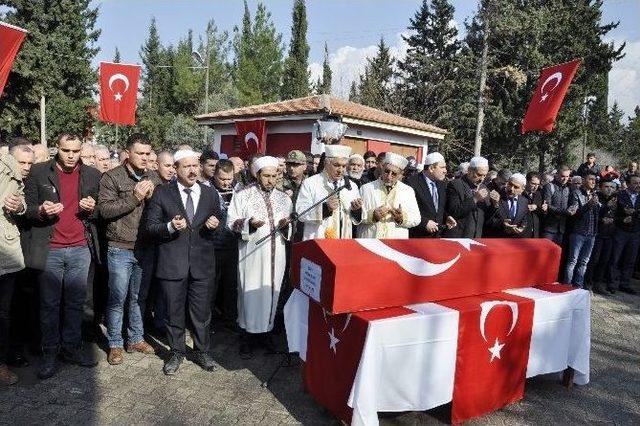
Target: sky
[{"x": 351, "y": 29}]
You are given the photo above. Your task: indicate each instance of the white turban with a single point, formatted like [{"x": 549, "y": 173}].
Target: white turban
[
  {"x": 519, "y": 178},
  {"x": 433, "y": 158},
  {"x": 262, "y": 162},
  {"x": 395, "y": 160},
  {"x": 478, "y": 162},
  {"x": 356, "y": 157},
  {"x": 337, "y": 151},
  {"x": 184, "y": 153}
]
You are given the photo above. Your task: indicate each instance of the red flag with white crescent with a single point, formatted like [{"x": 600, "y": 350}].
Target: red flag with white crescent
[
  {"x": 252, "y": 137},
  {"x": 118, "y": 92},
  {"x": 11, "y": 38},
  {"x": 547, "y": 99}
]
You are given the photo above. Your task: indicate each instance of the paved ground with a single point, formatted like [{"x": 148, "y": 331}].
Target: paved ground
[{"x": 138, "y": 393}]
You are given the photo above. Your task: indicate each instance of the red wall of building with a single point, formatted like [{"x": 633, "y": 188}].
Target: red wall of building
[{"x": 277, "y": 143}]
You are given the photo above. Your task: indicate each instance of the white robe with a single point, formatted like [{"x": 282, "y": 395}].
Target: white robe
[
  {"x": 312, "y": 190},
  {"x": 260, "y": 268},
  {"x": 374, "y": 194}
]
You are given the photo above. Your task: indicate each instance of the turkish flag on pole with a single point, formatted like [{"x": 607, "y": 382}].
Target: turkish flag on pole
[
  {"x": 118, "y": 92},
  {"x": 11, "y": 39},
  {"x": 548, "y": 97},
  {"x": 252, "y": 136}
]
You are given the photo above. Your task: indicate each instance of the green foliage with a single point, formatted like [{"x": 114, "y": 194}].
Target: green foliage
[
  {"x": 295, "y": 78},
  {"x": 55, "y": 60},
  {"x": 376, "y": 86}
]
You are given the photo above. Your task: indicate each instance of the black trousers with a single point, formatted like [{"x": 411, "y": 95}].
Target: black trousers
[
  {"x": 190, "y": 297},
  {"x": 25, "y": 311},
  {"x": 225, "y": 294},
  {"x": 7, "y": 284}
]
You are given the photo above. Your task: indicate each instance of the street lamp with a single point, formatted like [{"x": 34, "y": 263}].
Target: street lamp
[
  {"x": 204, "y": 63},
  {"x": 586, "y": 109}
]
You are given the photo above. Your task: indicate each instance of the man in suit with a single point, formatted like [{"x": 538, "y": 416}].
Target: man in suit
[
  {"x": 556, "y": 195},
  {"x": 537, "y": 206},
  {"x": 467, "y": 200},
  {"x": 626, "y": 237},
  {"x": 509, "y": 217},
  {"x": 182, "y": 217},
  {"x": 61, "y": 199},
  {"x": 430, "y": 189}
]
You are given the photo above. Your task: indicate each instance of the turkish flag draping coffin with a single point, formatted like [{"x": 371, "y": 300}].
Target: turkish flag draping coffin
[{"x": 361, "y": 274}]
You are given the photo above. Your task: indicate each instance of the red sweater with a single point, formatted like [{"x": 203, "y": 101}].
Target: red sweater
[{"x": 69, "y": 230}]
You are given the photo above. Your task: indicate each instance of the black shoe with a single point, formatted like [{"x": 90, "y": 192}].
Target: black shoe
[
  {"x": 17, "y": 360},
  {"x": 76, "y": 356},
  {"x": 628, "y": 290},
  {"x": 205, "y": 361},
  {"x": 172, "y": 365},
  {"x": 246, "y": 348},
  {"x": 49, "y": 365},
  {"x": 266, "y": 341}
]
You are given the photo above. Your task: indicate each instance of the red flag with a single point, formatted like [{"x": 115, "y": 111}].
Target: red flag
[
  {"x": 11, "y": 39},
  {"x": 334, "y": 349},
  {"x": 547, "y": 99},
  {"x": 494, "y": 334},
  {"x": 252, "y": 136},
  {"x": 118, "y": 92}
]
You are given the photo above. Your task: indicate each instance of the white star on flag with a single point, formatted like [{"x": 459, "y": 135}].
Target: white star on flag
[
  {"x": 333, "y": 340},
  {"x": 544, "y": 97},
  {"x": 118, "y": 96},
  {"x": 495, "y": 350}
]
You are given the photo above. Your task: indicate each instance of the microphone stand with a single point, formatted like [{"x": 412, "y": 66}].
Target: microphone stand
[{"x": 286, "y": 359}]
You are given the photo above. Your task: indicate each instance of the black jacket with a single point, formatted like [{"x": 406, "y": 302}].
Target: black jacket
[
  {"x": 465, "y": 210},
  {"x": 42, "y": 185},
  {"x": 186, "y": 252},
  {"x": 425, "y": 204},
  {"x": 536, "y": 216},
  {"x": 494, "y": 224},
  {"x": 624, "y": 202},
  {"x": 557, "y": 198}
]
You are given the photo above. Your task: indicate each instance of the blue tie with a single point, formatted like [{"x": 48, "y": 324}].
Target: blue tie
[
  {"x": 434, "y": 195},
  {"x": 512, "y": 208}
]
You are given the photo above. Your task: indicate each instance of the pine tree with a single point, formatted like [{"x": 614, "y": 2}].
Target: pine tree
[
  {"x": 375, "y": 88},
  {"x": 324, "y": 86},
  {"x": 258, "y": 59},
  {"x": 353, "y": 92},
  {"x": 222, "y": 94},
  {"x": 295, "y": 78},
  {"x": 429, "y": 80},
  {"x": 55, "y": 60},
  {"x": 116, "y": 56}
]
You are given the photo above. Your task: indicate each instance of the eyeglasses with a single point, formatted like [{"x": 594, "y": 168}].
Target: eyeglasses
[{"x": 390, "y": 172}]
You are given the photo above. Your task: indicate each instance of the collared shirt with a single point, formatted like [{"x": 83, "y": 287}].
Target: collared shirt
[
  {"x": 433, "y": 188},
  {"x": 195, "y": 196},
  {"x": 633, "y": 196}
]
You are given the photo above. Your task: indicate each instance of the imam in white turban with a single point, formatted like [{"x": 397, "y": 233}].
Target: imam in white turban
[
  {"x": 184, "y": 153},
  {"x": 337, "y": 151},
  {"x": 433, "y": 158},
  {"x": 395, "y": 160},
  {"x": 262, "y": 162},
  {"x": 478, "y": 162}
]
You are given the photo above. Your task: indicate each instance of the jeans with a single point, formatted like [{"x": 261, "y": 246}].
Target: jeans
[
  {"x": 556, "y": 237},
  {"x": 125, "y": 275},
  {"x": 65, "y": 275},
  {"x": 625, "y": 251},
  {"x": 7, "y": 285},
  {"x": 580, "y": 247}
]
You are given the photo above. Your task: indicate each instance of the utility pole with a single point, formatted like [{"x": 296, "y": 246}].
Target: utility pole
[
  {"x": 206, "y": 87},
  {"x": 477, "y": 147},
  {"x": 43, "y": 120}
]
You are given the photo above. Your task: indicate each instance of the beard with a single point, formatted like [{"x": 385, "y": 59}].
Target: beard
[{"x": 356, "y": 175}]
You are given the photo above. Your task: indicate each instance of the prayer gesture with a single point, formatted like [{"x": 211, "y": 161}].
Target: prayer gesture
[
  {"x": 432, "y": 227},
  {"x": 333, "y": 203},
  {"x": 495, "y": 197},
  {"x": 284, "y": 222},
  {"x": 212, "y": 222},
  {"x": 87, "y": 204},
  {"x": 13, "y": 204},
  {"x": 178, "y": 222},
  {"x": 256, "y": 223},
  {"x": 356, "y": 204},
  {"x": 512, "y": 228},
  {"x": 480, "y": 194},
  {"x": 143, "y": 189},
  {"x": 532, "y": 207},
  {"x": 572, "y": 210},
  {"x": 451, "y": 222},
  {"x": 544, "y": 207},
  {"x": 50, "y": 209},
  {"x": 380, "y": 213},
  {"x": 397, "y": 215}
]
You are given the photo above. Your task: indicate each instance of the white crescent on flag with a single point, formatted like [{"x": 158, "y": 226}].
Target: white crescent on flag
[
  {"x": 486, "y": 307},
  {"x": 557, "y": 77},
  {"x": 117, "y": 77},
  {"x": 415, "y": 265},
  {"x": 251, "y": 136}
]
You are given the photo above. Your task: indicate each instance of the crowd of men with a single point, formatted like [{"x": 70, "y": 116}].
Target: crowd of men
[{"x": 166, "y": 243}]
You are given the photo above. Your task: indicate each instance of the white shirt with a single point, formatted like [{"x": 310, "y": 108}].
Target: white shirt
[{"x": 195, "y": 196}]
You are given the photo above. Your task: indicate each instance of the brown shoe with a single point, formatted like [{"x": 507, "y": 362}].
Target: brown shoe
[
  {"x": 116, "y": 356},
  {"x": 142, "y": 347},
  {"x": 7, "y": 377}
]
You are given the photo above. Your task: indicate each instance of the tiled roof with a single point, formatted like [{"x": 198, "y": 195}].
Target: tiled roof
[{"x": 320, "y": 104}]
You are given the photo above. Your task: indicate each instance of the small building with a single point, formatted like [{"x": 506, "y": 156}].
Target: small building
[{"x": 292, "y": 124}]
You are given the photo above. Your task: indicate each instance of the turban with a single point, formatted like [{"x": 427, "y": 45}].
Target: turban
[
  {"x": 395, "y": 160},
  {"x": 262, "y": 162},
  {"x": 434, "y": 157},
  {"x": 337, "y": 151}
]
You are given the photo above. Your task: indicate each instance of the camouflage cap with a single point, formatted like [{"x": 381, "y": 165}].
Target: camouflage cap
[{"x": 296, "y": 157}]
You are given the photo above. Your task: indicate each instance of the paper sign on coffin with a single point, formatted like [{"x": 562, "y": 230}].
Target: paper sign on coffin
[{"x": 355, "y": 275}]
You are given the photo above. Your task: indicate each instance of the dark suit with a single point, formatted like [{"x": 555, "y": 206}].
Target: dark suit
[
  {"x": 425, "y": 204},
  {"x": 535, "y": 217},
  {"x": 186, "y": 262},
  {"x": 496, "y": 216},
  {"x": 465, "y": 210}
]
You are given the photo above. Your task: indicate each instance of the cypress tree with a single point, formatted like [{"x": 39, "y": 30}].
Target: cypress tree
[
  {"x": 295, "y": 78},
  {"x": 325, "y": 85}
]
